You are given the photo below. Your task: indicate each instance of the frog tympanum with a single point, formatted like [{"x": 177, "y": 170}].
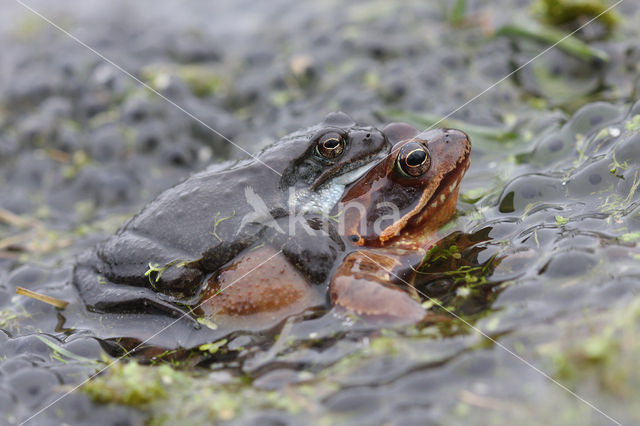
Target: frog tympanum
[{"x": 257, "y": 240}]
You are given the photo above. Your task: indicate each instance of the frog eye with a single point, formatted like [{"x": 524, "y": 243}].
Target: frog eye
[
  {"x": 413, "y": 159},
  {"x": 330, "y": 145}
]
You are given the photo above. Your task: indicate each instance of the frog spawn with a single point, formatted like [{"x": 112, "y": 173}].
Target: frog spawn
[
  {"x": 589, "y": 161},
  {"x": 570, "y": 209}
]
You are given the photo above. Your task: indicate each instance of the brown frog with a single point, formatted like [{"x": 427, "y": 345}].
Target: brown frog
[{"x": 393, "y": 213}]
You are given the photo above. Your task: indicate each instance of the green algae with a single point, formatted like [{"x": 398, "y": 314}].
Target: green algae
[
  {"x": 575, "y": 12},
  {"x": 169, "y": 395},
  {"x": 203, "y": 80},
  {"x": 28, "y": 28},
  {"x": 633, "y": 125},
  {"x": 630, "y": 237},
  {"x": 130, "y": 383},
  {"x": 603, "y": 351},
  {"x": 457, "y": 12},
  {"x": 12, "y": 320}
]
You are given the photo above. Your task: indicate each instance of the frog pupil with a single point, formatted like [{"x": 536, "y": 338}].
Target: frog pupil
[
  {"x": 415, "y": 158},
  {"x": 331, "y": 143}
]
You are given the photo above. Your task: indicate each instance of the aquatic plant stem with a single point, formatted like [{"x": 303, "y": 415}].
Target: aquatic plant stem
[{"x": 60, "y": 304}]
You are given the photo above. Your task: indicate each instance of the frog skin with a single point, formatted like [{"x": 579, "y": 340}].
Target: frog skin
[
  {"x": 420, "y": 179},
  {"x": 198, "y": 235},
  {"x": 225, "y": 255}
]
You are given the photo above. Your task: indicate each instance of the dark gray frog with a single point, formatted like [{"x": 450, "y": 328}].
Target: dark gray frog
[{"x": 162, "y": 259}]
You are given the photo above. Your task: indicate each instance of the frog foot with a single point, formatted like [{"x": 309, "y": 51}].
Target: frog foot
[
  {"x": 362, "y": 285},
  {"x": 103, "y": 296}
]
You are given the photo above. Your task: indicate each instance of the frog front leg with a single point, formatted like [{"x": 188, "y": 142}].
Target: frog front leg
[{"x": 362, "y": 285}]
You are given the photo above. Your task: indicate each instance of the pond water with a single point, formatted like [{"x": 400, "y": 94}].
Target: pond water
[{"x": 538, "y": 271}]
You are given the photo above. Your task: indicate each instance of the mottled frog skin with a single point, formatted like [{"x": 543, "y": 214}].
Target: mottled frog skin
[
  {"x": 190, "y": 231},
  {"x": 255, "y": 241}
]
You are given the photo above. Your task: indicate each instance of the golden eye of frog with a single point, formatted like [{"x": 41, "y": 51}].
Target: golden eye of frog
[{"x": 393, "y": 213}]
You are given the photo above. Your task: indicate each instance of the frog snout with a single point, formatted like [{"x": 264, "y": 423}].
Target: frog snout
[{"x": 455, "y": 136}]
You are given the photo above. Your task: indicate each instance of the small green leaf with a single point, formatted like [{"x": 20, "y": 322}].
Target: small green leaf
[
  {"x": 217, "y": 221},
  {"x": 630, "y": 237},
  {"x": 212, "y": 348},
  {"x": 157, "y": 269},
  {"x": 207, "y": 323}
]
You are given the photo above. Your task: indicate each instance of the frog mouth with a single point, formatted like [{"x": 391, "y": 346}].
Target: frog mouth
[
  {"x": 352, "y": 171},
  {"x": 323, "y": 195}
]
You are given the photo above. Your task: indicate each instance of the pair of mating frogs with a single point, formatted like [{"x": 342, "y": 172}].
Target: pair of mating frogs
[{"x": 337, "y": 213}]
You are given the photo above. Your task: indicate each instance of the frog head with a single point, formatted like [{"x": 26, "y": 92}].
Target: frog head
[
  {"x": 336, "y": 153},
  {"x": 412, "y": 192}
]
